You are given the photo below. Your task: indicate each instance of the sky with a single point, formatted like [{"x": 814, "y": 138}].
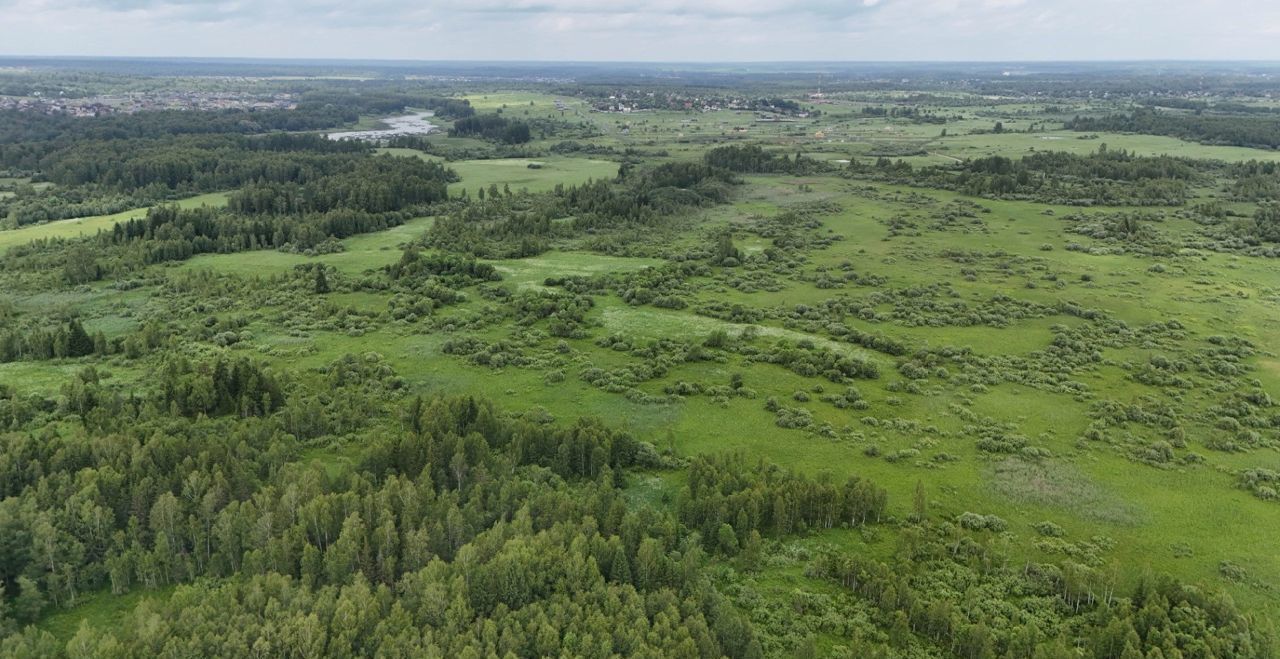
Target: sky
[{"x": 649, "y": 30}]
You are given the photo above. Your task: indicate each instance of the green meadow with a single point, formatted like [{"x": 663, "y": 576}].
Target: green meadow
[{"x": 534, "y": 175}]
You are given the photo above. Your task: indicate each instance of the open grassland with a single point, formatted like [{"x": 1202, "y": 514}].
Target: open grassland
[
  {"x": 528, "y": 174},
  {"x": 534, "y": 175},
  {"x": 515, "y": 101},
  {"x": 532, "y": 272}
]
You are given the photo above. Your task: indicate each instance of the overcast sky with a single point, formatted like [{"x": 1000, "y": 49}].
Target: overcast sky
[{"x": 648, "y": 30}]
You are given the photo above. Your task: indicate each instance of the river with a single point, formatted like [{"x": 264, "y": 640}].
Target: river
[{"x": 410, "y": 124}]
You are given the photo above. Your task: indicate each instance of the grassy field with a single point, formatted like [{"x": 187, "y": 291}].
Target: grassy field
[
  {"x": 517, "y": 173},
  {"x": 531, "y": 174},
  {"x": 531, "y": 272},
  {"x": 514, "y": 102}
]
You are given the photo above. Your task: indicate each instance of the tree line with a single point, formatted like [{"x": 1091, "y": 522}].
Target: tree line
[
  {"x": 1233, "y": 130},
  {"x": 492, "y": 127},
  {"x": 1106, "y": 177},
  {"x": 754, "y": 159}
]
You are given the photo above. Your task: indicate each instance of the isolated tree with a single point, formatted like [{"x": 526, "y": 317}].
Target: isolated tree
[
  {"x": 726, "y": 253},
  {"x": 321, "y": 285}
]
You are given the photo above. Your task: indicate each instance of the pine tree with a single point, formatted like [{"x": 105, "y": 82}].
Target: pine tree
[{"x": 79, "y": 343}]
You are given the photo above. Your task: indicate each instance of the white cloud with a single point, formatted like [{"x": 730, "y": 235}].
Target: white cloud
[{"x": 648, "y": 29}]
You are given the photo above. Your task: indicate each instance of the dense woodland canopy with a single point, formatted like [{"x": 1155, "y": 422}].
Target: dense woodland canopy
[{"x": 492, "y": 127}]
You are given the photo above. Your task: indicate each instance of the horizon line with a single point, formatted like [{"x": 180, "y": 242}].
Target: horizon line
[{"x": 280, "y": 58}]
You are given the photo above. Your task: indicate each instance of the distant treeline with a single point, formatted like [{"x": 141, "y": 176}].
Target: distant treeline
[
  {"x": 30, "y": 131},
  {"x": 913, "y": 113},
  {"x": 1200, "y": 105},
  {"x": 389, "y": 102},
  {"x": 106, "y": 177},
  {"x": 26, "y": 138},
  {"x": 1250, "y": 131}
]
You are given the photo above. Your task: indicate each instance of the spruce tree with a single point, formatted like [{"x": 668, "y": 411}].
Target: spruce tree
[{"x": 79, "y": 343}]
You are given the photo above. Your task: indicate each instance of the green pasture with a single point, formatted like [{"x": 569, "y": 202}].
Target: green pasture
[{"x": 516, "y": 173}]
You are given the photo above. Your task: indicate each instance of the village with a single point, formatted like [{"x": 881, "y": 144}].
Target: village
[
  {"x": 774, "y": 109},
  {"x": 129, "y": 103}
]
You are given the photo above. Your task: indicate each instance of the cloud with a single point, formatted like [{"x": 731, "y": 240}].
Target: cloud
[
  {"x": 648, "y": 30},
  {"x": 392, "y": 12}
]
